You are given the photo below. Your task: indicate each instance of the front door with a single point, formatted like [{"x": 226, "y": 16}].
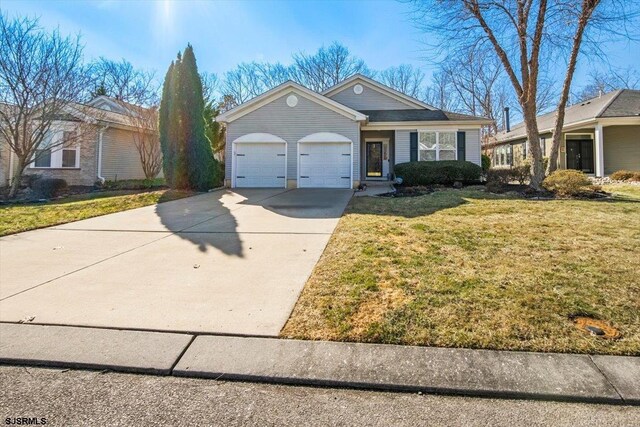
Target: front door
[
  {"x": 374, "y": 159},
  {"x": 580, "y": 155}
]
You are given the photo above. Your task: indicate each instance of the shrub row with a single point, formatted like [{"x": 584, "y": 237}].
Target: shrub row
[
  {"x": 48, "y": 187},
  {"x": 624, "y": 175},
  {"x": 444, "y": 172}
]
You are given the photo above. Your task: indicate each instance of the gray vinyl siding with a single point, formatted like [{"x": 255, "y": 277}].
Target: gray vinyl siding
[
  {"x": 402, "y": 146},
  {"x": 369, "y": 99},
  {"x": 293, "y": 124},
  {"x": 621, "y": 148},
  {"x": 472, "y": 149},
  {"x": 120, "y": 158}
]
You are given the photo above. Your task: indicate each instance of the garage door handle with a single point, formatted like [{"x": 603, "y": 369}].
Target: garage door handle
[
  {"x": 345, "y": 177},
  {"x": 279, "y": 176},
  {"x": 280, "y": 155},
  {"x": 302, "y": 154},
  {"x": 346, "y": 154},
  {"x": 239, "y": 176},
  {"x": 242, "y": 155},
  {"x": 304, "y": 176}
]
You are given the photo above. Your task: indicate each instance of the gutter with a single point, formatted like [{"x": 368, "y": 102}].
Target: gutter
[{"x": 100, "y": 177}]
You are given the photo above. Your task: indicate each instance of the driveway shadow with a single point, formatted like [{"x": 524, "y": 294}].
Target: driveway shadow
[
  {"x": 319, "y": 203},
  {"x": 179, "y": 216}
]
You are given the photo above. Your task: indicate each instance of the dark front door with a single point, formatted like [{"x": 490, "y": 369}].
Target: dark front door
[
  {"x": 374, "y": 159},
  {"x": 580, "y": 155}
]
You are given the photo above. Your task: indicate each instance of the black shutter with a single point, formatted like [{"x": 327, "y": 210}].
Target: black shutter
[
  {"x": 413, "y": 146},
  {"x": 462, "y": 144}
]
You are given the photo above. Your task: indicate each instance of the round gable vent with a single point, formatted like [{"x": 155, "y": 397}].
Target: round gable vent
[
  {"x": 357, "y": 89},
  {"x": 292, "y": 101}
]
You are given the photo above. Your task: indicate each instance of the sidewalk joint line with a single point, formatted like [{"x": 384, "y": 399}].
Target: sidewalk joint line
[
  {"x": 606, "y": 377},
  {"x": 184, "y": 350}
]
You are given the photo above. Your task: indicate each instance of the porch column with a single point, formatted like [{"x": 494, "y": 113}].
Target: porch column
[{"x": 599, "y": 150}]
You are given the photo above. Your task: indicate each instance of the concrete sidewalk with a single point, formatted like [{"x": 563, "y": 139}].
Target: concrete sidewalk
[{"x": 572, "y": 377}]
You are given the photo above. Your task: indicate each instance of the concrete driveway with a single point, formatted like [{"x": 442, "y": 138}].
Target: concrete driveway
[{"x": 225, "y": 262}]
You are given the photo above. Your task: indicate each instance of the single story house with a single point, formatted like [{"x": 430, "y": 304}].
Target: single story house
[
  {"x": 600, "y": 136},
  {"x": 356, "y": 131},
  {"x": 104, "y": 149}
]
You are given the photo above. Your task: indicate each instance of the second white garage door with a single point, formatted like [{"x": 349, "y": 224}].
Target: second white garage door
[
  {"x": 260, "y": 165},
  {"x": 325, "y": 165}
]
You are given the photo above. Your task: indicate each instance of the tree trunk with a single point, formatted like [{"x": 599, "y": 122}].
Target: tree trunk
[
  {"x": 533, "y": 136},
  {"x": 17, "y": 177}
]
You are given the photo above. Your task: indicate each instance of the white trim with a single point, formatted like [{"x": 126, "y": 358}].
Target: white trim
[
  {"x": 598, "y": 142},
  {"x": 324, "y": 137},
  {"x": 372, "y": 84},
  {"x": 100, "y": 150},
  {"x": 234, "y": 157},
  {"x": 564, "y": 138},
  {"x": 258, "y": 137},
  {"x": 437, "y": 146},
  {"x": 385, "y": 141},
  {"x": 471, "y": 125},
  {"x": 269, "y": 96}
]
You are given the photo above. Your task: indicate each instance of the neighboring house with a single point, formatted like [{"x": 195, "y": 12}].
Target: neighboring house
[
  {"x": 353, "y": 132},
  {"x": 104, "y": 150},
  {"x": 600, "y": 136}
]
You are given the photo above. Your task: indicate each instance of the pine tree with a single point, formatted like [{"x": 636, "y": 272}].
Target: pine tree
[
  {"x": 167, "y": 141},
  {"x": 200, "y": 161},
  {"x": 187, "y": 157}
]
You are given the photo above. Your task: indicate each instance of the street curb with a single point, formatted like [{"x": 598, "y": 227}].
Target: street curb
[{"x": 407, "y": 369}]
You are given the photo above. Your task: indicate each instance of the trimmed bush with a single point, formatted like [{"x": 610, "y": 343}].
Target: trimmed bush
[
  {"x": 624, "y": 175},
  {"x": 49, "y": 187},
  {"x": 444, "y": 172},
  {"x": 499, "y": 176},
  {"x": 133, "y": 184},
  {"x": 486, "y": 162},
  {"x": 568, "y": 182}
]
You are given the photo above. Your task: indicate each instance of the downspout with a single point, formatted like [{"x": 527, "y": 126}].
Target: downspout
[
  {"x": 10, "y": 166},
  {"x": 100, "y": 177}
]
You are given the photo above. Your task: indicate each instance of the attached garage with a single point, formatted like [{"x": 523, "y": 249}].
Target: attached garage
[
  {"x": 259, "y": 160},
  {"x": 325, "y": 161}
]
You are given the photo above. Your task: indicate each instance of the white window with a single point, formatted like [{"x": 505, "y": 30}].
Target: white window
[
  {"x": 57, "y": 151},
  {"x": 436, "y": 145}
]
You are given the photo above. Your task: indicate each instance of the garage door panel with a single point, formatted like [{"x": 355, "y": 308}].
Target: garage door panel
[
  {"x": 260, "y": 165},
  {"x": 325, "y": 165}
]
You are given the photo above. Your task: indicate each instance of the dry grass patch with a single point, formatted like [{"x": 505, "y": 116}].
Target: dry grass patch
[
  {"x": 17, "y": 218},
  {"x": 463, "y": 268}
]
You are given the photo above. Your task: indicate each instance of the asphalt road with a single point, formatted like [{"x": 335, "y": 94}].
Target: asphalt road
[{"x": 89, "y": 398}]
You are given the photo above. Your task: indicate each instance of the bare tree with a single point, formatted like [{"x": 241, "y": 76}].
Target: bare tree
[
  {"x": 523, "y": 35},
  {"x": 120, "y": 80},
  {"x": 602, "y": 82},
  {"x": 404, "y": 78},
  {"x": 327, "y": 67},
  {"x": 210, "y": 86},
  {"x": 41, "y": 78},
  {"x": 146, "y": 138},
  {"x": 440, "y": 93}
]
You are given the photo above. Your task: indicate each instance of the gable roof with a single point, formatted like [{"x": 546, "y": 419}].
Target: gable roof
[
  {"x": 618, "y": 103},
  {"x": 406, "y": 99},
  {"x": 270, "y": 95},
  {"x": 422, "y": 115}
]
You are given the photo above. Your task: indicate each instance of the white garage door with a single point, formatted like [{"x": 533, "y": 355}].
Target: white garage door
[
  {"x": 260, "y": 165},
  {"x": 325, "y": 165}
]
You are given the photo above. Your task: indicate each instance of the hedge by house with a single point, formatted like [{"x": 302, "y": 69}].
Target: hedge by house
[{"x": 444, "y": 172}]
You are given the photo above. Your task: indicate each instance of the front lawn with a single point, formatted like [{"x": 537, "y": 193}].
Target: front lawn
[
  {"x": 464, "y": 268},
  {"x": 17, "y": 218}
]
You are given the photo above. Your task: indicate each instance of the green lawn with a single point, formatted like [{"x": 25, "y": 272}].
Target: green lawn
[
  {"x": 464, "y": 268},
  {"x": 17, "y": 218}
]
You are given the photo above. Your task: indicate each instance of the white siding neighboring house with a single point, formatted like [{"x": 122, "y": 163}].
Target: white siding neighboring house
[
  {"x": 355, "y": 131},
  {"x": 106, "y": 150}
]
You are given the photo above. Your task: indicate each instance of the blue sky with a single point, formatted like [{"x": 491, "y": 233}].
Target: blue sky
[{"x": 225, "y": 33}]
